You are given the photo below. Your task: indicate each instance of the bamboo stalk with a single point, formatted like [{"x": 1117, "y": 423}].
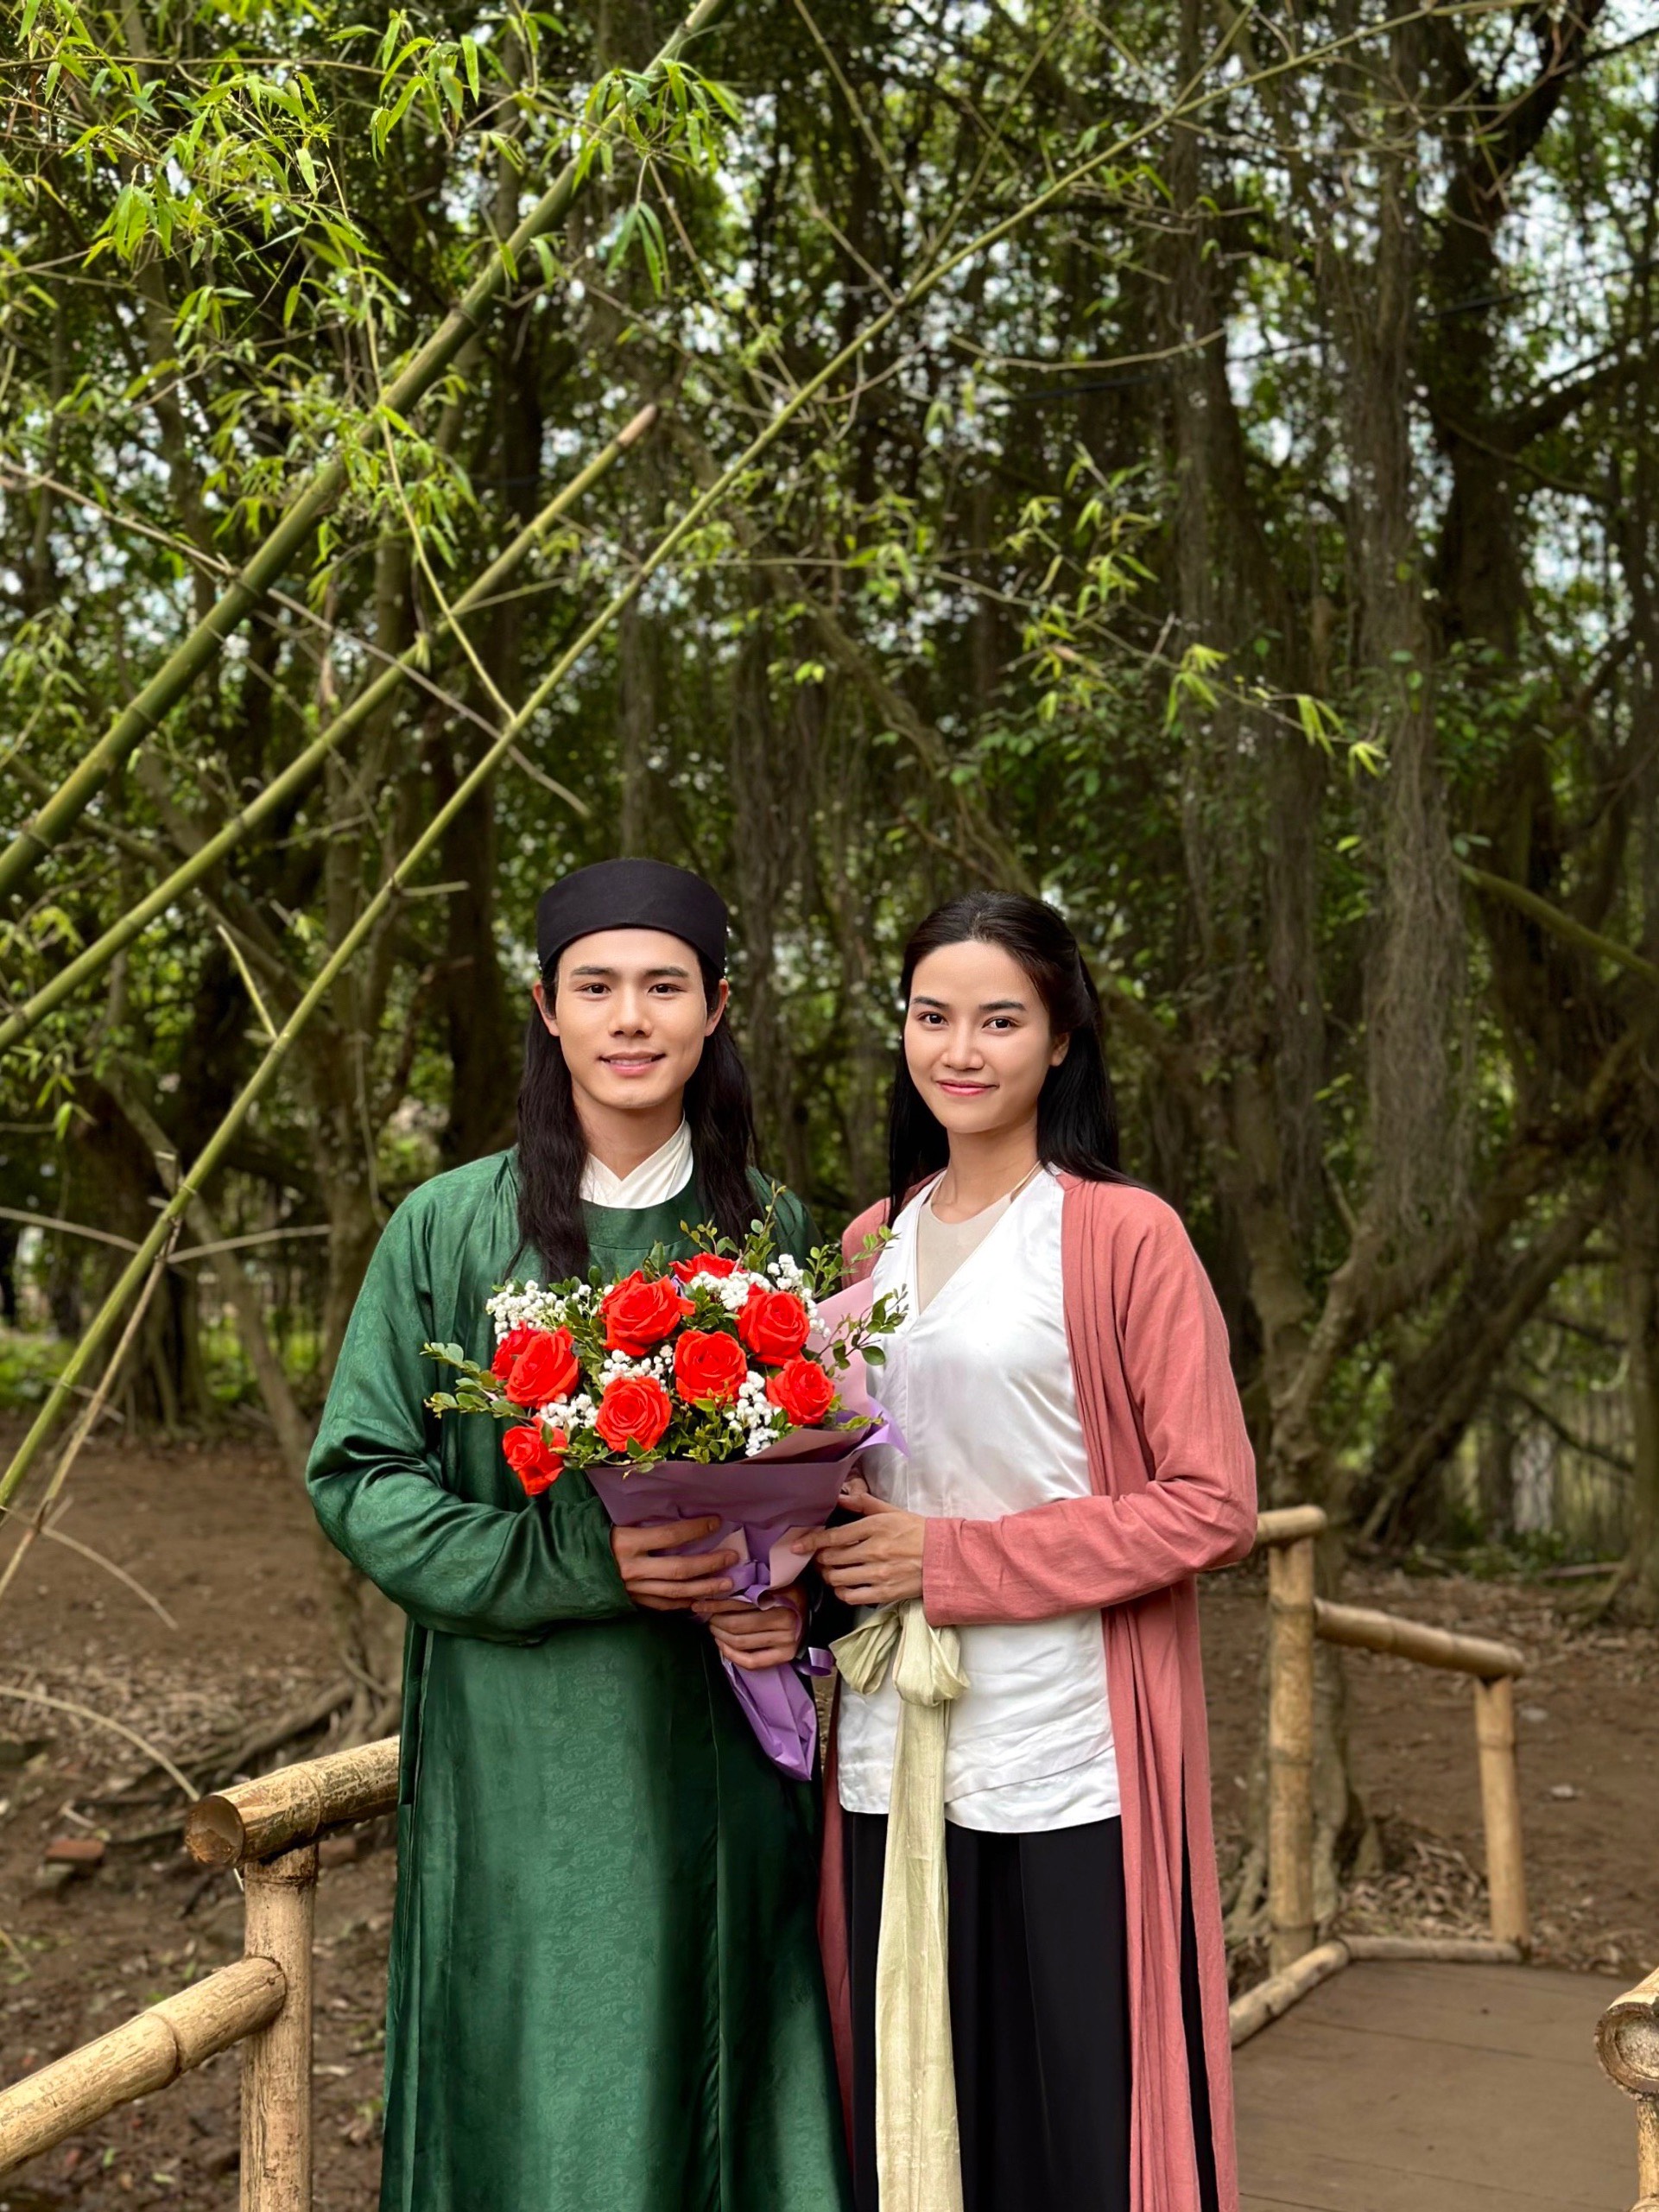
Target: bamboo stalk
[
  {"x": 1289, "y": 1523},
  {"x": 1457, "y": 1950},
  {"x": 1365, "y": 1631},
  {"x": 292, "y": 1806},
  {"x": 276, "y": 2060},
  {"x": 58, "y": 815},
  {"x": 1249, "y": 2014},
  {"x": 140, "y": 2056},
  {"x": 1500, "y": 1802},
  {"x": 91, "y": 1415},
  {"x": 306, "y": 764},
  {"x": 1290, "y": 1752}
]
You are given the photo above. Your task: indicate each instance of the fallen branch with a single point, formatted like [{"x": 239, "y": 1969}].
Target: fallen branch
[
  {"x": 103, "y": 1721},
  {"x": 275, "y": 1735}
]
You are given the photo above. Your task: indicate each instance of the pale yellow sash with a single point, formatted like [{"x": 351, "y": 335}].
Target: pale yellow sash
[{"x": 917, "y": 2157}]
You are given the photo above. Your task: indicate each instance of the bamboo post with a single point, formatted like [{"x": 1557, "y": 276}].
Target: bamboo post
[
  {"x": 142, "y": 2055},
  {"x": 1494, "y": 1667},
  {"x": 1290, "y": 1751},
  {"x": 1286, "y": 1523},
  {"x": 1500, "y": 1803},
  {"x": 282, "y": 1896},
  {"x": 1647, "y": 2153},
  {"x": 1627, "y": 2044}
]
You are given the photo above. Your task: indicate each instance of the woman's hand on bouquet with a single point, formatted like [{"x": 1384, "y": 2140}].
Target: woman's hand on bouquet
[
  {"x": 657, "y": 1576},
  {"x": 875, "y": 1560},
  {"x": 753, "y": 1636}
]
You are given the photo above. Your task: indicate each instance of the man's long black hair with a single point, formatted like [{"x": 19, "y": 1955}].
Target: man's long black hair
[
  {"x": 552, "y": 1151},
  {"x": 1077, "y": 1113}
]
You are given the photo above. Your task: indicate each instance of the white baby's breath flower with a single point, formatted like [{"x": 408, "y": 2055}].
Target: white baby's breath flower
[{"x": 619, "y": 1367}]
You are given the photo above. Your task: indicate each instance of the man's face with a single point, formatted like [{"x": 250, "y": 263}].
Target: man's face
[{"x": 629, "y": 1010}]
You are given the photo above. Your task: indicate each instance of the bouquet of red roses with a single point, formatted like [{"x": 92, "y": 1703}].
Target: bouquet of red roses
[{"x": 726, "y": 1383}]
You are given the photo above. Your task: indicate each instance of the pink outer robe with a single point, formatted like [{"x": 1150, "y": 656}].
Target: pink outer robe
[{"x": 1175, "y": 1483}]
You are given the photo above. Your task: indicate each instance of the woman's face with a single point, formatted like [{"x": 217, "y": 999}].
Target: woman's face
[
  {"x": 977, "y": 1039},
  {"x": 630, "y": 1012}
]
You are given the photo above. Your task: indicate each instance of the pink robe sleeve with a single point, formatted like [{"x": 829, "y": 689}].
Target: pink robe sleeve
[{"x": 1187, "y": 1503}]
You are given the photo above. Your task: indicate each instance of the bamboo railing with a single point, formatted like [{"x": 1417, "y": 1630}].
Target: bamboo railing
[
  {"x": 1627, "y": 2044},
  {"x": 269, "y": 1828},
  {"x": 1297, "y": 1619}
]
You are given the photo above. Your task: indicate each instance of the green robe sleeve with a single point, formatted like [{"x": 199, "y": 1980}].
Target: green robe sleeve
[{"x": 503, "y": 1573}]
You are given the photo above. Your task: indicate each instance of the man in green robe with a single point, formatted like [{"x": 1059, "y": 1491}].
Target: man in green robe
[{"x": 604, "y": 1989}]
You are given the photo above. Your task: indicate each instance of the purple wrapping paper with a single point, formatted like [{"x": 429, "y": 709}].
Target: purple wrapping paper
[
  {"x": 792, "y": 1483},
  {"x": 760, "y": 1501}
]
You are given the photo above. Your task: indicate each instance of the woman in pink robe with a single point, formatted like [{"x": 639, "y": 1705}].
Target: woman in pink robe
[{"x": 1113, "y": 1964}]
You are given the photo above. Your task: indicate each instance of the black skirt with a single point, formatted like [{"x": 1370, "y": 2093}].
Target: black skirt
[{"x": 1039, "y": 1990}]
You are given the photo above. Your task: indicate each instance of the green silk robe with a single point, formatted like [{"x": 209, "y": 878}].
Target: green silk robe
[{"x": 605, "y": 1991}]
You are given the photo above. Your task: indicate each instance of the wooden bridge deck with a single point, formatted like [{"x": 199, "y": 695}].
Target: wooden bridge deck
[{"x": 1416, "y": 2087}]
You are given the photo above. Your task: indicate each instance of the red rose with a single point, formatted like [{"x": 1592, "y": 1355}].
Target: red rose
[
  {"x": 537, "y": 1463},
  {"x": 635, "y": 1409},
  {"x": 638, "y": 1314},
  {"x": 545, "y": 1369},
  {"x": 709, "y": 1367},
  {"x": 516, "y": 1340},
  {"x": 773, "y": 1324},
  {"x": 804, "y": 1391},
  {"x": 702, "y": 1262}
]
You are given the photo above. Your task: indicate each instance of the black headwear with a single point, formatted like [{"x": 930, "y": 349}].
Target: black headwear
[{"x": 632, "y": 895}]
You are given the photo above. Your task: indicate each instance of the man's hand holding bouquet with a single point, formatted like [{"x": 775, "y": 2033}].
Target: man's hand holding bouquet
[{"x": 725, "y": 1391}]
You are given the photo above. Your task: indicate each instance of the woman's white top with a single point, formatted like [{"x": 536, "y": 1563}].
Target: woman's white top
[
  {"x": 978, "y": 1385},
  {"x": 653, "y": 1182}
]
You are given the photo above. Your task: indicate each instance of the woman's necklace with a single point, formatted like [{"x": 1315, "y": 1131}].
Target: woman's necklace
[{"x": 1007, "y": 1199}]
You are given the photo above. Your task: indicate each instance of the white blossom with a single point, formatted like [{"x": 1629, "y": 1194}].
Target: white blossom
[{"x": 787, "y": 1274}]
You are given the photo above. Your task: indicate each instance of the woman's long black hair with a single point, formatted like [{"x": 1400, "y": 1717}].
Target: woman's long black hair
[
  {"x": 552, "y": 1151},
  {"x": 1077, "y": 1114}
]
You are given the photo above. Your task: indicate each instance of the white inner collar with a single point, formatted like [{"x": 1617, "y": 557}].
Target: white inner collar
[{"x": 654, "y": 1181}]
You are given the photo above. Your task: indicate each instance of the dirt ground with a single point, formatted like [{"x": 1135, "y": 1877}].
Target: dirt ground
[{"x": 222, "y": 1540}]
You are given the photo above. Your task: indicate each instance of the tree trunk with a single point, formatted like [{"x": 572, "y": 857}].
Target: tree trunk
[
  {"x": 1639, "y": 1593},
  {"x": 292, "y": 1430},
  {"x": 482, "y": 1034}
]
